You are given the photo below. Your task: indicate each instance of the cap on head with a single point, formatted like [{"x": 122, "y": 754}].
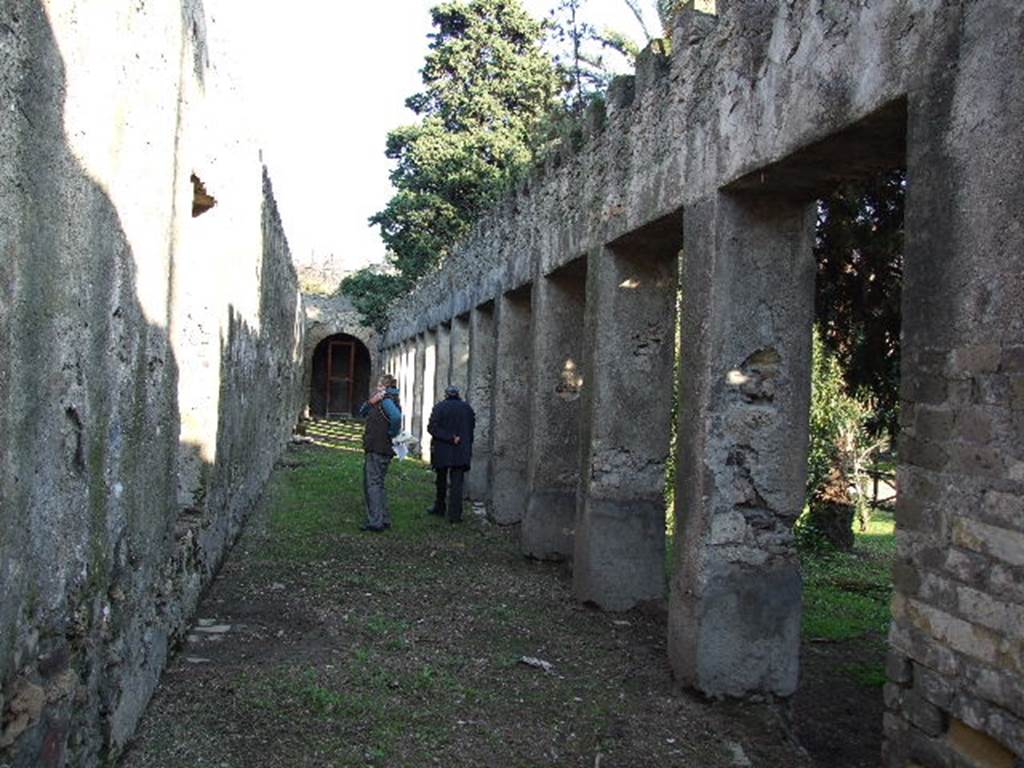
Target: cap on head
[{"x": 451, "y": 391}]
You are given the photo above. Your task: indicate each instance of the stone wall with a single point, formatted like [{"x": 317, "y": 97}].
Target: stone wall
[
  {"x": 706, "y": 165},
  {"x": 149, "y": 360}
]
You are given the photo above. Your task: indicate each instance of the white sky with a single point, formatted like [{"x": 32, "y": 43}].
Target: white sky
[{"x": 330, "y": 80}]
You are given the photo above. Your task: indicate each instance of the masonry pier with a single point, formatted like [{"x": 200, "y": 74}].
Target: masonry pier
[{"x": 557, "y": 378}]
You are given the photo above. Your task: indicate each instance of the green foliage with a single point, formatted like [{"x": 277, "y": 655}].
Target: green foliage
[
  {"x": 372, "y": 293},
  {"x": 835, "y": 417},
  {"x": 582, "y": 49},
  {"x": 580, "y": 62},
  {"x": 846, "y": 594},
  {"x": 859, "y": 250},
  {"x": 488, "y": 89}
]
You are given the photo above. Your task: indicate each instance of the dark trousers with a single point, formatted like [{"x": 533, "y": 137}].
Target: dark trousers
[
  {"x": 455, "y": 474},
  {"x": 375, "y": 469}
]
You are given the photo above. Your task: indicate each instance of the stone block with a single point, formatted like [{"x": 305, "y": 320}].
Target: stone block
[
  {"x": 933, "y": 687},
  {"x": 992, "y": 389},
  {"x": 979, "y": 460},
  {"x": 1007, "y": 581},
  {"x": 997, "y": 542},
  {"x": 924, "y": 389},
  {"x": 927, "y": 751},
  {"x": 960, "y": 392},
  {"x": 898, "y": 668},
  {"x": 906, "y": 578},
  {"x": 735, "y": 605},
  {"x": 982, "y": 608},
  {"x": 938, "y": 591},
  {"x": 894, "y": 747},
  {"x": 1000, "y": 686},
  {"x": 968, "y": 567},
  {"x": 952, "y": 631},
  {"x": 922, "y": 713},
  {"x": 974, "y": 424},
  {"x": 930, "y": 360},
  {"x": 1005, "y": 510},
  {"x": 980, "y": 358},
  {"x": 548, "y": 525},
  {"x": 933, "y": 423},
  {"x": 978, "y": 747},
  {"x": 892, "y": 696},
  {"x": 1012, "y": 359},
  {"x": 923, "y": 453},
  {"x": 1017, "y": 393}
]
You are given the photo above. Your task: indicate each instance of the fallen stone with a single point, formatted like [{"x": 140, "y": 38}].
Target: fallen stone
[
  {"x": 532, "y": 661},
  {"x": 213, "y": 629}
]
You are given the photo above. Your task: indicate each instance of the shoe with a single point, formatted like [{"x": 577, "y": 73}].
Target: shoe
[
  {"x": 387, "y": 525},
  {"x": 372, "y": 528},
  {"x": 454, "y": 520},
  {"x": 433, "y": 511}
]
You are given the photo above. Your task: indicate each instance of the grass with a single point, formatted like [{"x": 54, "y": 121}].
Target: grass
[
  {"x": 403, "y": 649},
  {"x": 847, "y": 594}
]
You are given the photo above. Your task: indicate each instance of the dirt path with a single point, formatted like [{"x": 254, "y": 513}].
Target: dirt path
[{"x": 319, "y": 645}]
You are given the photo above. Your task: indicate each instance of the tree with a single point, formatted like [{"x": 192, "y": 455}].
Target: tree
[
  {"x": 859, "y": 251},
  {"x": 489, "y": 87},
  {"x": 838, "y": 446}
]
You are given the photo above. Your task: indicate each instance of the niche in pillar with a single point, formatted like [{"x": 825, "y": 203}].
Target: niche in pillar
[
  {"x": 510, "y": 428},
  {"x": 443, "y": 365},
  {"x": 459, "y": 375},
  {"x": 629, "y": 332},
  {"x": 407, "y": 381},
  {"x": 557, "y": 381},
  {"x": 419, "y": 421},
  {"x": 480, "y": 395},
  {"x": 429, "y": 394}
]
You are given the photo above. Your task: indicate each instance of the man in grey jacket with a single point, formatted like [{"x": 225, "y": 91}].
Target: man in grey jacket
[{"x": 383, "y": 416}]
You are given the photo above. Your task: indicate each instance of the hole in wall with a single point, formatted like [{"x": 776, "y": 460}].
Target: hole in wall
[{"x": 202, "y": 201}]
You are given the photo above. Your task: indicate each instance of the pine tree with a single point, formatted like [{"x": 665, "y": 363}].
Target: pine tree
[{"x": 488, "y": 86}]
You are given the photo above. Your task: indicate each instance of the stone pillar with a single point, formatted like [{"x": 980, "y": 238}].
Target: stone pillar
[
  {"x": 956, "y": 666},
  {"x": 748, "y": 273},
  {"x": 459, "y": 354},
  {"x": 480, "y": 395},
  {"x": 553, "y": 468},
  {"x": 419, "y": 363},
  {"x": 619, "y": 548},
  {"x": 429, "y": 379},
  {"x": 444, "y": 360},
  {"x": 510, "y": 428}
]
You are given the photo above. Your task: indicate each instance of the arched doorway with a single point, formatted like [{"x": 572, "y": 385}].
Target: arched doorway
[{"x": 341, "y": 376}]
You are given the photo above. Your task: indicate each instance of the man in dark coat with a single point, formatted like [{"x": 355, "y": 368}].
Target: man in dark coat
[{"x": 451, "y": 424}]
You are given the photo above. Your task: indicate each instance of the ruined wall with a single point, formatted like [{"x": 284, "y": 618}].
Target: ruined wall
[
  {"x": 149, "y": 360},
  {"x": 718, "y": 153}
]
